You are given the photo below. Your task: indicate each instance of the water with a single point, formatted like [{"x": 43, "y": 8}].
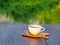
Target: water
[{"x": 10, "y": 34}]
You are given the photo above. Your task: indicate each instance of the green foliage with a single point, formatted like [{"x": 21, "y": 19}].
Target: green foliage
[{"x": 22, "y": 11}]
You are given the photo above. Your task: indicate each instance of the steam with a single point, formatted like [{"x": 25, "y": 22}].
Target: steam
[{"x": 36, "y": 22}]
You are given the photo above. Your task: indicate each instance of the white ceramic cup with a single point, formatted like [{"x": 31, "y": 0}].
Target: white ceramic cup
[{"x": 35, "y": 29}]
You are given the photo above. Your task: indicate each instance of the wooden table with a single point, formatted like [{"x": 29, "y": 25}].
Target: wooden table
[{"x": 34, "y": 39}]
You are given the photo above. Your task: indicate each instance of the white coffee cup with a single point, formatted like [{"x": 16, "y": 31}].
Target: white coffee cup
[{"x": 35, "y": 29}]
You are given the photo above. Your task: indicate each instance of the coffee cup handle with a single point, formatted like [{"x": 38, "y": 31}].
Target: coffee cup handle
[{"x": 43, "y": 29}]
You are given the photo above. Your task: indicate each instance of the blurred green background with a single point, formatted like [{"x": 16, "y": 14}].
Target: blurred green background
[{"x": 30, "y": 11}]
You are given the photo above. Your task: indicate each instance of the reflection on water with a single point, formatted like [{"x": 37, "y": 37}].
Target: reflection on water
[
  {"x": 10, "y": 34},
  {"x": 34, "y": 41}
]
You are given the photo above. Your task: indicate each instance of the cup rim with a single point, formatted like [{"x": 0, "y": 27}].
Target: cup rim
[{"x": 35, "y": 26}]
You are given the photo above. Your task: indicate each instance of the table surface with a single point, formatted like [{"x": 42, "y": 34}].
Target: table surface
[{"x": 10, "y": 34}]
